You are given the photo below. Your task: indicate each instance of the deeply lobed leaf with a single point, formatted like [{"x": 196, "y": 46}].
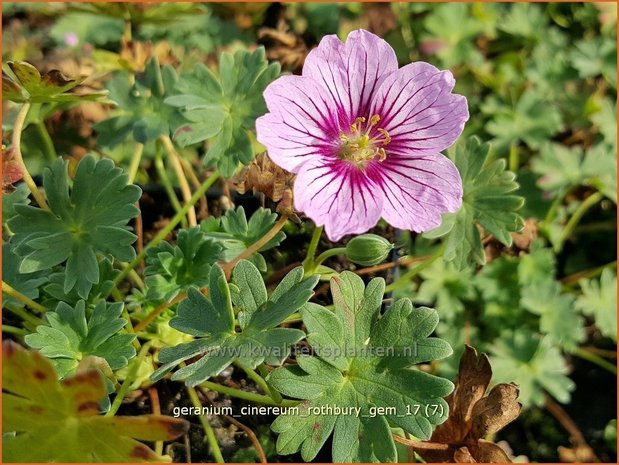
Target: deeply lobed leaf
[
  {"x": 74, "y": 333},
  {"x": 88, "y": 219},
  {"x": 488, "y": 202},
  {"x": 211, "y": 319},
  {"x": 362, "y": 363}
]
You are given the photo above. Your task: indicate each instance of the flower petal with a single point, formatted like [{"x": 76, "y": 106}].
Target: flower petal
[
  {"x": 339, "y": 196},
  {"x": 301, "y": 123},
  {"x": 419, "y": 111},
  {"x": 416, "y": 191},
  {"x": 351, "y": 72}
]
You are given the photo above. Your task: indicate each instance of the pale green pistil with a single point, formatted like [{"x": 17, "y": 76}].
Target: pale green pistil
[{"x": 358, "y": 147}]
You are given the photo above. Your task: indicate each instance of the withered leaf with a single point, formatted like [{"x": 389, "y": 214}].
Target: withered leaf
[
  {"x": 28, "y": 85},
  {"x": 284, "y": 46},
  {"x": 473, "y": 416},
  {"x": 495, "y": 411},
  {"x": 264, "y": 176}
]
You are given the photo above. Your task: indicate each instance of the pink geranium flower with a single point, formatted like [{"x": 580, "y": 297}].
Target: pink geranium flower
[{"x": 364, "y": 137}]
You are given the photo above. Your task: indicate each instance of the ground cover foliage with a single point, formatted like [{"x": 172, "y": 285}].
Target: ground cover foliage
[{"x": 156, "y": 260}]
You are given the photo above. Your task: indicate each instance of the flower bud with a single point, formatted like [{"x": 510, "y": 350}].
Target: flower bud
[{"x": 368, "y": 249}]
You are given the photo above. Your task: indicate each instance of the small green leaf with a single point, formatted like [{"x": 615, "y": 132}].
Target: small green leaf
[
  {"x": 535, "y": 363},
  {"x": 46, "y": 413},
  {"x": 142, "y": 112},
  {"x": 596, "y": 56},
  {"x": 362, "y": 364},
  {"x": 211, "y": 319},
  {"x": 87, "y": 219},
  {"x": 54, "y": 290},
  {"x": 531, "y": 120},
  {"x": 235, "y": 233},
  {"x": 173, "y": 268},
  {"x": 223, "y": 108},
  {"x": 18, "y": 197},
  {"x": 562, "y": 168},
  {"x": 26, "y": 283},
  {"x": 73, "y": 334},
  {"x": 558, "y": 316},
  {"x": 488, "y": 202},
  {"x": 445, "y": 288},
  {"x": 599, "y": 299}
]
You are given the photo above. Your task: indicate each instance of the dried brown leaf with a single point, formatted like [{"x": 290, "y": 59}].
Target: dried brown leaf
[
  {"x": 473, "y": 416},
  {"x": 284, "y": 46},
  {"x": 264, "y": 176},
  {"x": 463, "y": 455},
  {"x": 495, "y": 411},
  {"x": 489, "y": 452},
  {"x": 380, "y": 18},
  {"x": 473, "y": 378}
]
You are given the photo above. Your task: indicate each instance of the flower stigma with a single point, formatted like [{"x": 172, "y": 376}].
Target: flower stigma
[{"x": 364, "y": 142}]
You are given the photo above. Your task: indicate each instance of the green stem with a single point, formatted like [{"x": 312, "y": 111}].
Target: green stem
[
  {"x": 577, "y": 216},
  {"x": 250, "y": 396},
  {"x": 129, "y": 327},
  {"x": 135, "y": 162},
  {"x": 574, "y": 279},
  {"x": 50, "y": 150},
  {"x": 208, "y": 429},
  {"x": 411, "y": 273},
  {"x": 161, "y": 235},
  {"x": 24, "y": 315},
  {"x": 514, "y": 157},
  {"x": 295, "y": 317},
  {"x": 124, "y": 388},
  {"x": 9, "y": 290},
  {"x": 552, "y": 211},
  {"x": 255, "y": 247},
  {"x": 275, "y": 395},
  {"x": 18, "y": 127},
  {"x": 328, "y": 253},
  {"x": 167, "y": 185},
  {"x": 13, "y": 330},
  {"x": 308, "y": 263},
  {"x": 255, "y": 377},
  {"x": 183, "y": 184},
  {"x": 596, "y": 359},
  {"x": 136, "y": 279}
]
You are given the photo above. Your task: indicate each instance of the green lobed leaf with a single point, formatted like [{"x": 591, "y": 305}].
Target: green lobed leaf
[
  {"x": 558, "y": 316},
  {"x": 596, "y": 56},
  {"x": 173, "y": 268},
  {"x": 27, "y": 284},
  {"x": 599, "y": 299},
  {"x": 211, "y": 319},
  {"x": 142, "y": 113},
  {"x": 445, "y": 288},
  {"x": 223, "y": 108},
  {"x": 53, "y": 292},
  {"x": 562, "y": 168},
  {"x": 235, "y": 233},
  {"x": 87, "y": 219},
  {"x": 535, "y": 363},
  {"x": 361, "y": 363},
  {"x": 488, "y": 201},
  {"x": 530, "y": 120},
  {"x": 18, "y": 197},
  {"x": 73, "y": 333}
]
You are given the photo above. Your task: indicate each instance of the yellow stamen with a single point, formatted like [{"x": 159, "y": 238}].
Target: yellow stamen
[{"x": 359, "y": 147}]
